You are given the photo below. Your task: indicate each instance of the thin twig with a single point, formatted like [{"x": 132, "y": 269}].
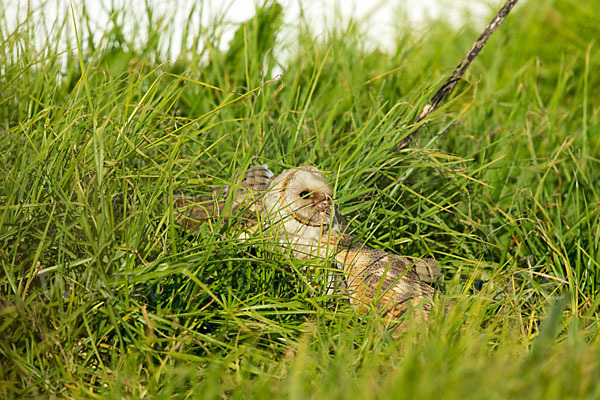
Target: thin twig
[{"x": 459, "y": 71}]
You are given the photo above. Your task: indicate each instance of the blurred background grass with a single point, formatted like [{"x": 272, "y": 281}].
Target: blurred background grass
[{"x": 102, "y": 295}]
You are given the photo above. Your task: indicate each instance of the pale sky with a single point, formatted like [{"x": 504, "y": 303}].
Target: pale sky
[{"x": 379, "y": 19}]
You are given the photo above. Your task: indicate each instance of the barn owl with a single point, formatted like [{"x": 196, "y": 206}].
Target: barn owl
[{"x": 297, "y": 207}]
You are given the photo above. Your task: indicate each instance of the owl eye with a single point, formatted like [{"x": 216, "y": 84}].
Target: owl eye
[{"x": 305, "y": 194}]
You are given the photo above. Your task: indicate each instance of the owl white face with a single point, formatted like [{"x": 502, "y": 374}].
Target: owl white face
[{"x": 300, "y": 201}]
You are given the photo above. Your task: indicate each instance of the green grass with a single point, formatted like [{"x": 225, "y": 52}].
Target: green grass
[{"x": 102, "y": 295}]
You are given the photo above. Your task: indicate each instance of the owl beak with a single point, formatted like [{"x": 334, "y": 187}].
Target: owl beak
[{"x": 323, "y": 205}]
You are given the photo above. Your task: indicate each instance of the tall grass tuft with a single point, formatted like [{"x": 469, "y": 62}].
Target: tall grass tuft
[{"x": 102, "y": 294}]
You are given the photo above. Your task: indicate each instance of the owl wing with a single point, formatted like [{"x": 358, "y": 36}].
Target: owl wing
[
  {"x": 428, "y": 269},
  {"x": 249, "y": 188},
  {"x": 390, "y": 281}
]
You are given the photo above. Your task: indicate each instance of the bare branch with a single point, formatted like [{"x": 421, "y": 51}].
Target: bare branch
[{"x": 459, "y": 71}]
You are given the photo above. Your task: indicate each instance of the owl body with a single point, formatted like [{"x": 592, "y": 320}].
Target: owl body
[
  {"x": 245, "y": 193},
  {"x": 296, "y": 208}
]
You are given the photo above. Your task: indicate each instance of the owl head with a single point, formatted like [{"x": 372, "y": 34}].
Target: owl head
[{"x": 300, "y": 202}]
